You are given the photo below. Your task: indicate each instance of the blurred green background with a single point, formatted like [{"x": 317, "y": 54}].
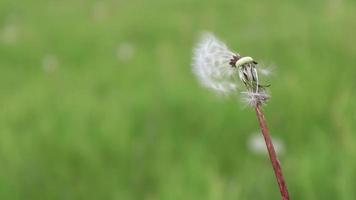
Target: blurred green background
[{"x": 98, "y": 100}]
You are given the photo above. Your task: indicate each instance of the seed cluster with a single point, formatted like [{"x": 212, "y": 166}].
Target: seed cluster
[{"x": 247, "y": 71}]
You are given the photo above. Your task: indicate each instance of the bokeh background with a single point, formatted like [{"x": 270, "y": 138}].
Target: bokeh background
[{"x": 98, "y": 100}]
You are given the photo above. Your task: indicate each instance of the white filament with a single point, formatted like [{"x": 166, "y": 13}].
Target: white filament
[{"x": 211, "y": 64}]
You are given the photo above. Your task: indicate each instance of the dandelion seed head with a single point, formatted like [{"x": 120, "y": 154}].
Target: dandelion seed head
[
  {"x": 211, "y": 64},
  {"x": 218, "y": 68}
]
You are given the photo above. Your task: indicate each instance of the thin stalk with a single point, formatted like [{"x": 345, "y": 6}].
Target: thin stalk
[{"x": 272, "y": 153}]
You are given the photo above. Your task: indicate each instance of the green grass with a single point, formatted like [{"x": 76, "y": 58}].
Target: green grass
[{"x": 103, "y": 128}]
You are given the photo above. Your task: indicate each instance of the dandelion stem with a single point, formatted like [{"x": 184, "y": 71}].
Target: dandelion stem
[{"x": 272, "y": 153}]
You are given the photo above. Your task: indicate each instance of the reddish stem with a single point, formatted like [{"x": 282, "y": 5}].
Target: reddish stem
[{"x": 272, "y": 153}]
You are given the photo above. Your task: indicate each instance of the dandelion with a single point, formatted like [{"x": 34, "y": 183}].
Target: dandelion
[{"x": 223, "y": 71}]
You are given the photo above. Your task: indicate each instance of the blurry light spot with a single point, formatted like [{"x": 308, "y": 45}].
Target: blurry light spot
[
  {"x": 100, "y": 11},
  {"x": 125, "y": 51},
  {"x": 9, "y": 33},
  {"x": 256, "y": 144},
  {"x": 50, "y": 63}
]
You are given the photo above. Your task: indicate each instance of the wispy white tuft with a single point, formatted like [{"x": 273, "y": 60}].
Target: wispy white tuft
[
  {"x": 211, "y": 64},
  {"x": 255, "y": 98},
  {"x": 264, "y": 71},
  {"x": 257, "y": 145},
  {"x": 267, "y": 69}
]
